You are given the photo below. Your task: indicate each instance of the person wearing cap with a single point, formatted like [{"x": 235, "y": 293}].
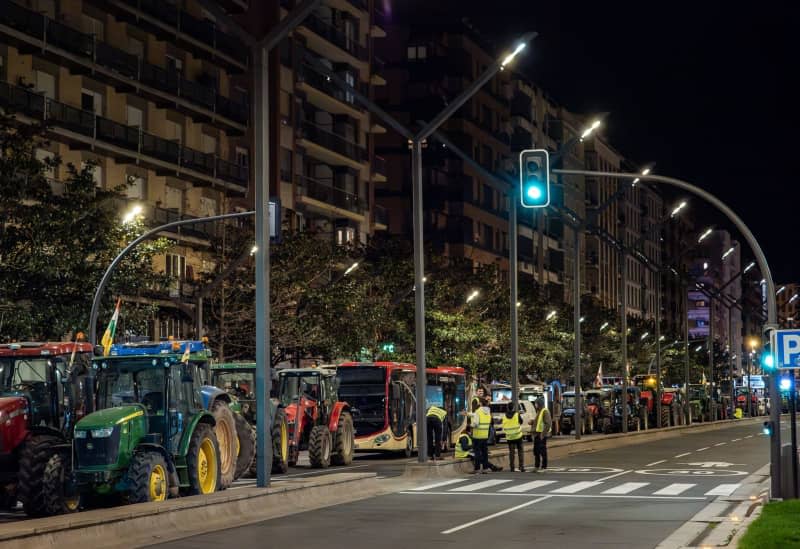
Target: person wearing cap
[{"x": 541, "y": 428}]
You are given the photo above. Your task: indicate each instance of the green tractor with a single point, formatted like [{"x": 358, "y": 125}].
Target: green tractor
[
  {"x": 699, "y": 402},
  {"x": 238, "y": 379},
  {"x": 157, "y": 432}
]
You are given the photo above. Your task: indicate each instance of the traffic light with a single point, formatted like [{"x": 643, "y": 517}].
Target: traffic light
[
  {"x": 387, "y": 348},
  {"x": 767, "y": 359},
  {"x": 534, "y": 178},
  {"x": 767, "y": 428}
]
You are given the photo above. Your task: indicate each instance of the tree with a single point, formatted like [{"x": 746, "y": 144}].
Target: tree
[{"x": 55, "y": 246}]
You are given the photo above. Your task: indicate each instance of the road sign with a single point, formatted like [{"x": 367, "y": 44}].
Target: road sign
[
  {"x": 787, "y": 349},
  {"x": 710, "y": 464}
]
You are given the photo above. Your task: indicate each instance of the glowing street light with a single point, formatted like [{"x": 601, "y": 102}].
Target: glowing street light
[
  {"x": 351, "y": 268},
  {"x": 678, "y": 209},
  {"x": 584, "y": 318},
  {"x": 750, "y": 266},
  {"x": 518, "y": 303},
  {"x": 253, "y": 250},
  {"x": 472, "y": 296},
  {"x": 588, "y": 131},
  {"x": 510, "y": 57},
  {"x": 781, "y": 289},
  {"x": 795, "y": 296},
  {"x": 705, "y": 235},
  {"x": 550, "y": 315},
  {"x": 644, "y": 172},
  {"x": 644, "y": 336},
  {"x": 604, "y": 326},
  {"x": 727, "y": 253},
  {"x": 134, "y": 212}
]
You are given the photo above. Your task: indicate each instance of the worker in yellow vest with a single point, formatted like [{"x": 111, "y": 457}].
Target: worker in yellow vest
[
  {"x": 541, "y": 428},
  {"x": 464, "y": 445},
  {"x": 512, "y": 428},
  {"x": 481, "y": 424},
  {"x": 435, "y": 420}
]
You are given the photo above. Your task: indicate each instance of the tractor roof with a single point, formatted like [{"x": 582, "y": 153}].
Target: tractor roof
[
  {"x": 35, "y": 348},
  {"x": 233, "y": 365},
  {"x": 160, "y": 348}
]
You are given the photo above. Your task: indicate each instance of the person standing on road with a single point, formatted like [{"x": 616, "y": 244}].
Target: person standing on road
[
  {"x": 541, "y": 429},
  {"x": 435, "y": 420},
  {"x": 481, "y": 422},
  {"x": 512, "y": 428}
]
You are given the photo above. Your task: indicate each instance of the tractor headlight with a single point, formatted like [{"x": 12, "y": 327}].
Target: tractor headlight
[
  {"x": 102, "y": 433},
  {"x": 80, "y": 434}
]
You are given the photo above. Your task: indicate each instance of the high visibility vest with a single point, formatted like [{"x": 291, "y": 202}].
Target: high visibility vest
[
  {"x": 512, "y": 428},
  {"x": 435, "y": 411},
  {"x": 463, "y": 440},
  {"x": 540, "y": 421},
  {"x": 481, "y": 430},
  {"x": 473, "y": 401}
]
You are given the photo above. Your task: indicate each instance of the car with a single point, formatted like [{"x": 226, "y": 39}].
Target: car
[{"x": 526, "y": 411}]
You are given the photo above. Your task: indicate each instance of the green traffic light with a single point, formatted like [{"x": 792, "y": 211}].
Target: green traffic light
[{"x": 534, "y": 192}]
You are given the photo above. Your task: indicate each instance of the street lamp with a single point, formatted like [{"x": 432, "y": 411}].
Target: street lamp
[
  {"x": 253, "y": 250},
  {"x": 644, "y": 336},
  {"x": 588, "y": 131},
  {"x": 727, "y": 253},
  {"x": 705, "y": 235},
  {"x": 472, "y": 296},
  {"x": 132, "y": 214},
  {"x": 510, "y": 57},
  {"x": 550, "y": 315},
  {"x": 604, "y": 326},
  {"x": 584, "y": 318},
  {"x": 750, "y": 266},
  {"x": 351, "y": 268},
  {"x": 644, "y": 172},
  {"x": 678, "y": 209},
  {"x": 781, "y": 289}
]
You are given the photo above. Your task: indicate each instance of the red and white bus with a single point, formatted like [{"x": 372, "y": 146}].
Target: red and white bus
[{"x": 382, "y": 399}]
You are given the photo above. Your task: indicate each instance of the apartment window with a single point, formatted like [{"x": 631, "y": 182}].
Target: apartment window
[
  {"x": 97, "y": 173},
  {"x": 286, "y": 164},
  {"x": 350, "y": 78},
  {"x": 174, "y": 64},
  {"x": 242, "y": 157},
  {"x": 136, "y": 47},
  {"x": 176, "y": 266},
  {"x": 208, "y": 144},
  {"x": 488, "y": 235},
  {"x": 46, "y": 84},
  {"x": 345, "y": 235},
  {"x": 134, "y": 116},
  {"x": 174, "y": 198},
  {"x": 93, "y": 26},
  {"x": 417, "y": 52},
  {"x": 136, "y": 187},
  {"x": 92, "y": 101},
  {"x": 173, "y": 131},
  {"x": 208, "y": 206}
]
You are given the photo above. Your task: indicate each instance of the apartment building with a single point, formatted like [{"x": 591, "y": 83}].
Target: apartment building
[{"x": 788, "y": 301}]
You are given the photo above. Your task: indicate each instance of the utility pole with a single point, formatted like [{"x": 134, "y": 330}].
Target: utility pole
[
  {"x": 624, "y": 322},
  {"x": 660, "y": 391},
  {"x": 576, "y": 300},
  {"x": 713, "y": 403}
]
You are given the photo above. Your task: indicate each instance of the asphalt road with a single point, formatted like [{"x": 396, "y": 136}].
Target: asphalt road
[{"x": 632, "y": 496}]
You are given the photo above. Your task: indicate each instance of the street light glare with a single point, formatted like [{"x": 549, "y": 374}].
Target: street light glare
[
  {"x": 644, "y": 335},
  {"x": 604, "y": 326},
  {"x": 678, "y": 208},
  {"x": 582, "y": 319},
  {"x": 727, "y": 253},
  {"x": 253, "y": 250},
  {"x": 472, "y": 296},
  {"x": 550, "y": 315},
  {"x": 782, "y": 288},
  {"x": 351, "y": 268},
  {"x": 132, "y": 214},
  {"x": 645, "y": 171},
  {"x": 705, "y": 235},
  {"x": 752, "y": 264},
  {"x": 795, "y": 296},
  {"x": 587, "y": 132},
  {"x": 510, "y": 57}
]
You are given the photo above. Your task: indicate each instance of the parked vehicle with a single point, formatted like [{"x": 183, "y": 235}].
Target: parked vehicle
[
  {"x": 651, "y": 393},
  {"x": 598, "y": 404},
  {"x": 526, "y": 411},
  {"x": 699, "y": 402},
  {"x": 43, "y": 391},
  {"x": 567, "y": 419},
  {"x": 636, "y": 414}
]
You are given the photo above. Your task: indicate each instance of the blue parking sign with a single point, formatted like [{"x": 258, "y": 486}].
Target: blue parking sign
[{"x": 787, "y": 349}]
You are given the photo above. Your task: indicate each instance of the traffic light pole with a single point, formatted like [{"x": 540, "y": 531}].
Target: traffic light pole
[
  {"x": 513, "y": 275},
  {"x": 686, "y": 351},
  {"x": 772, "y": 310},
  {"x": 624, "y": 335}
]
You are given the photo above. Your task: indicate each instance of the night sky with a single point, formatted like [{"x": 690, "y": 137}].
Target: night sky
[{"x": 701, "y": 89}]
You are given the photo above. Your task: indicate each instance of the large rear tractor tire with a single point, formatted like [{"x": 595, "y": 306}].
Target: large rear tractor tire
[
  {"x": 202, "y": 460},
  {"x": 344, "y": 441},
  {"x": 33, "y": 459},
  {"x": 280, "y": 443},
  {"x": 228, "y": 441},
  {"x": 60, "y": 494},
  {"x": 149, "y": 478},
  {"x": 606, "y": 428},
  {"x": 247, "y": 446},
  {"x": 319, "y": 447}
]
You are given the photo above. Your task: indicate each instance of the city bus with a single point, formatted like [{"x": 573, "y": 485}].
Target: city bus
[{"x": 382, "y": 399}]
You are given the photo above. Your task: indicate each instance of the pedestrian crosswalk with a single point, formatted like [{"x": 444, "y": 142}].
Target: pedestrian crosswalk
[{"x": 589, "y": 488}]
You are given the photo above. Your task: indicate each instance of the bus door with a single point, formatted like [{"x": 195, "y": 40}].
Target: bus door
[{"x": 401, "y": 408}]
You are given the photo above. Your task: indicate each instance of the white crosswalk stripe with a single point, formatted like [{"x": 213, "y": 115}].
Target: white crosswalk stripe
[
  {"x": 438, "y": 484},
  {"x": 480, "y": 485},
  {"x": 575, "y": 487},
  {"x": 674, "y": 489},
  {"x": 626, "y": 488},
  {"x": 528, "y": 486},
  {"x": 723, "y": 490}
]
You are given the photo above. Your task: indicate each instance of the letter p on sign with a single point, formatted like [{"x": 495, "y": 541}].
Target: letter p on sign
[{"x": 789, "y": 348}]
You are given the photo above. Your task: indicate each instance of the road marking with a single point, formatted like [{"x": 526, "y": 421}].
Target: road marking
[
  {"x": 480, "y": 485},
  {"x": 332, "y": 471},
  {"x": 721, "y": 444},
  {"x": 494, "y": 515},
  {"x": 612, "y": 476},
  {"x": 535, "y": 495},
  {"x": 723, "y": 490},
  {"x": 681, "y": 455},
  {"x": 626, "y": 488},
  {"x": 749, "y": 436},
  {"x": 735, "y": 440},
  {"x": 674, "y": 489},
  {"x": 438, "y": 484},
  {"x": 702, "y": 449},
  {"x": 528, "y": 486},
  {"x": 655, "y": 463},
  {"x": 576, "y": 487}
]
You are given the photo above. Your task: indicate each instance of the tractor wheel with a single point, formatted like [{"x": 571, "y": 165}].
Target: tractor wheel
[
  {"x": 33, "y": 459},
  {"x": 606, "y": 426},
  {"x": 246, "y": 437},
  {"x": 643, "y": 421},
  {"x": 228, "y": 441},
  {"x": 202, "y": 460},
  {"x": 590, "y": 425},
  {"x": 344, "y": 441},
  {"x": 148, "y": 477},
  {"x": 60, "y": 494},
  {"x": 280, "y": 443},
  {"x": 319, "y": 447}
]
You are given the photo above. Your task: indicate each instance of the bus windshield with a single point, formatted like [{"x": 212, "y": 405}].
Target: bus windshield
[{"x": 364, "y": 389}]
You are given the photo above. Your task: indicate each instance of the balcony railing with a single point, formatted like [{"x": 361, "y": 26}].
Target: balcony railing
[
  {"x": 335, "y": 36},
  {"x": 379, "y": 164},
  {"x": 332, "y": 141},
  {"x": 85, "y": 46},
  {"x": 130, "y": 138},
  {"x": 381, "y": 216},
  {"x": 162, "y": 216},
  {"x": 322, "y": 191},
  {"x": 305, "y": 73}
]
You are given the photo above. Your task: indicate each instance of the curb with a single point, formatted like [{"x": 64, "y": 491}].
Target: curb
[
  {"x": 149, "y": 523},
  {"x": 560, "y": 448}
]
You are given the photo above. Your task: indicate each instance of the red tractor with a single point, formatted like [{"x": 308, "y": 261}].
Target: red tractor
[
  {"x": 671, "y": 405},
  {"x": 317, "y": 420},
  {"x": 43, "y": 393}
]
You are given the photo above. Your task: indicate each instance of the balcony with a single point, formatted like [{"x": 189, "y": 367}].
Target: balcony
[
  {"x": 378, "y": 168},
  {"x": 204, "y": 230},
  {"x": 126, "y": 72},
  {"x": 335, "y": 36},
  {"x": 345, "y": 102},
  {"x": 83, "y": 129},
  {"x": 381, "y": 216},
  {"x": 333, "y": 142},
  {"x": 168, "y": 22},
  {"x": 324, "y": 192}
]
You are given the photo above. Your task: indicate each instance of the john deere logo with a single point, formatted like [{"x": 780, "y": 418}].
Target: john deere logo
[{"x": 89, "y": 446}]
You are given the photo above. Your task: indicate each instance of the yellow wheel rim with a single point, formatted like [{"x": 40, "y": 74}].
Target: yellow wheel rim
[
  {"x": 225, "y": 439},
  {"x": 284, "y": 442},
  {"x": 207, "y": 467},
  {"x": 158, "y": 484},
  {"x": 238, "y": 446}
]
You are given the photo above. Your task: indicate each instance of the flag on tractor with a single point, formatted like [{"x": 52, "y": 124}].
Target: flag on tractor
[
  {"x": 598, "y": 381},
  {"x": 703, "y": 379},
  {"x": 185, "y": 357},
  {"x": 111, "y": 330}
]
